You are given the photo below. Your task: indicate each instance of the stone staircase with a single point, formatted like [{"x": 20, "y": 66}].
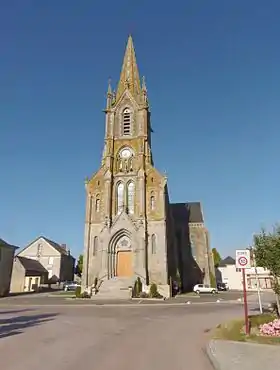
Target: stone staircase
[{"x": 115, "y": 288}]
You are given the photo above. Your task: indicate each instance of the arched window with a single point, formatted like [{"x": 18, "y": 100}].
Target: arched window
[
  {"x": 95, "y": 245},
  {"x": 120, "y": 197},
  {"x": 97, "y": 203},
  {"x": 152, "y": 202},
  {"x": 153, "y": 242},
  {"x": 130, "y": 197},
  {"x": 126, "y": 122}
]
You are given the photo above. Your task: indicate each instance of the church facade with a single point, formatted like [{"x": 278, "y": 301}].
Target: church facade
[{"x": 130, "y": 227}]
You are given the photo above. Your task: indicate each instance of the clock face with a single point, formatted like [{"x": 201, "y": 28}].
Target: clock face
[{"x": 126, "y": 153}]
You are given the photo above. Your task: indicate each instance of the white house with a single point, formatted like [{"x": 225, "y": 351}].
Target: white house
[
  {"x": 263, "y": 276},
  {"x": 55, "y": 258},
  {"x": 232, "y": 276},
  {"x": 229, "y": 274}
]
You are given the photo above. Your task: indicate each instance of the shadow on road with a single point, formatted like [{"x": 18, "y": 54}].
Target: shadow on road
[{"x": 16, "y": 325}]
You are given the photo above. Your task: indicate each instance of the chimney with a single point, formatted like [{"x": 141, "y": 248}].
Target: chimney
[{"x": 64, "y": 246}]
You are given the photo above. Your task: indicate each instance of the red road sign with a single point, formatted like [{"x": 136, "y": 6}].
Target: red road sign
[{"x": 242, "y": 261}]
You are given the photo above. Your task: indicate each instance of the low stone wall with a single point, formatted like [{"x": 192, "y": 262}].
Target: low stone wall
[{"x": 162, "y": 289}]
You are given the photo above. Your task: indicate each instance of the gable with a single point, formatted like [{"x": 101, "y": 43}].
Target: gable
[
  {"x": 96, "y": 183},
  {"x": 154, "y": 177},
  {"x": 43, "y": 247},
  {"x": 126, "y": 99},
  {"x": 123, "y": 221}
]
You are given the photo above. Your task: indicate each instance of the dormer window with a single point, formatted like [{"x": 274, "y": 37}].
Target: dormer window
[{"x": 126, "y": 122}]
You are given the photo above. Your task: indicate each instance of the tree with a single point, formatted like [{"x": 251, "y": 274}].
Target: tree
[
  {"x": 216, "y": 257},
  {"x": 266, "y": 249},
  {"x": 79, "y": 266}
]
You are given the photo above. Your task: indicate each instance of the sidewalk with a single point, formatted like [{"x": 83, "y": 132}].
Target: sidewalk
[
  {"x": 252, "y": 299},
  {"x": 227, "y": 355}
]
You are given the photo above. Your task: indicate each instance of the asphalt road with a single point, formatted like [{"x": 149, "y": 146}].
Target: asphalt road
[
  {"x": 109, "y": 338},
  {"x": 56, "y": 299}
]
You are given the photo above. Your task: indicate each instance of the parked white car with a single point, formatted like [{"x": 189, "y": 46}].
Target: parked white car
[{"x": 203, "y": 288}]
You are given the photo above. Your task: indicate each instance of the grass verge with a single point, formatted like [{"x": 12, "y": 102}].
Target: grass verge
[
  {"x": 234, "y": 330},
  {"x": 63, "y": 294}
]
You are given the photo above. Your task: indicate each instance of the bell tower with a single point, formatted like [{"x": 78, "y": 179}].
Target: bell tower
[
  {"x": 127, "y": 147},
  {"x": 126, "y": 212}
]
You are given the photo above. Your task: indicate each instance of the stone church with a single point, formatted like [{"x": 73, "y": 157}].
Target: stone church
[{"x": 131, "y": 228}]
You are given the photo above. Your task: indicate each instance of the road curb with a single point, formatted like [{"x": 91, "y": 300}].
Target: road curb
[{"x": 211, "y": 356}]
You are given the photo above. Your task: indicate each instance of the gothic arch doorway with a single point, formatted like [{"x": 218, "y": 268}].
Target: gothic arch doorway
[{"x": 120, "y": 256}]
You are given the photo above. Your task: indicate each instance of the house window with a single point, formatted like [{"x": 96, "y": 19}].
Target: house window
[
  {"x": 95, "y": 245},
  {"x": 153, "y": 241},
  {"x": 238, "y": 270},
  {"x": 130, "y": 197},
  {"x": 126, "y": 122},
  {"x": 97, "y": 204},
  {"x": 51, "y": 260},
  {"x": 120, "y": 197}
]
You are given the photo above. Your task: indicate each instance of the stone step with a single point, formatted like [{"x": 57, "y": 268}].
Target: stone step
[
  {"x": 115, "y": 288},
  {"x": 112, "y": 295}
]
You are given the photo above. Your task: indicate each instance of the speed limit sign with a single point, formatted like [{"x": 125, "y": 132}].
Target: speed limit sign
[{"x": 243, "y": 260}]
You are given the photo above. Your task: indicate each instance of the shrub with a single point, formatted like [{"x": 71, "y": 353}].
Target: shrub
[
  {"x": 78, "y": 292},
  {"x": 274, "y": 308},
  {"x": 154, "y": 292},
  {"x": 257, "y": 320},
  {"x": 95, "y": 282},
  {"x": 137, "y": 289},
  {"x": 271, "y": 329}
]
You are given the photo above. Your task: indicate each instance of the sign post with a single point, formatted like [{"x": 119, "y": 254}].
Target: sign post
[{"x": 243, "y": 261}]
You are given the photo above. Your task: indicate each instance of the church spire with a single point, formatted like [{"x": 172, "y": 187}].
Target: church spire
[{"x": 129, "y": 78}]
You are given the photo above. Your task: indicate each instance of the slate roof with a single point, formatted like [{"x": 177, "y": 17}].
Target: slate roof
[
  {"x": 31, "y": 265},
  {"x": 227, "y": 261},
  {"x": 55, "y": 245},
  {"x": 7, "y": 245},
  {"x": 187, "y": 212}
]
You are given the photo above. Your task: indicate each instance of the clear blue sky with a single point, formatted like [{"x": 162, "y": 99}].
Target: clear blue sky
[{"x": 212, "y": 71}]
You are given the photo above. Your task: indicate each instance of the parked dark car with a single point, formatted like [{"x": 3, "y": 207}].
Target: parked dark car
[
  {"x": 70, "y": 286},
  {"x": 222, "y": 287}
]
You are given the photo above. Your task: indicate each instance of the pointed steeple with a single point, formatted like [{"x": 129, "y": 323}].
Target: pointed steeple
[
  {"x": 109, "y": 91},
  {"x": 129, "y": 78},
  {"x": 109, "y": 95}
]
